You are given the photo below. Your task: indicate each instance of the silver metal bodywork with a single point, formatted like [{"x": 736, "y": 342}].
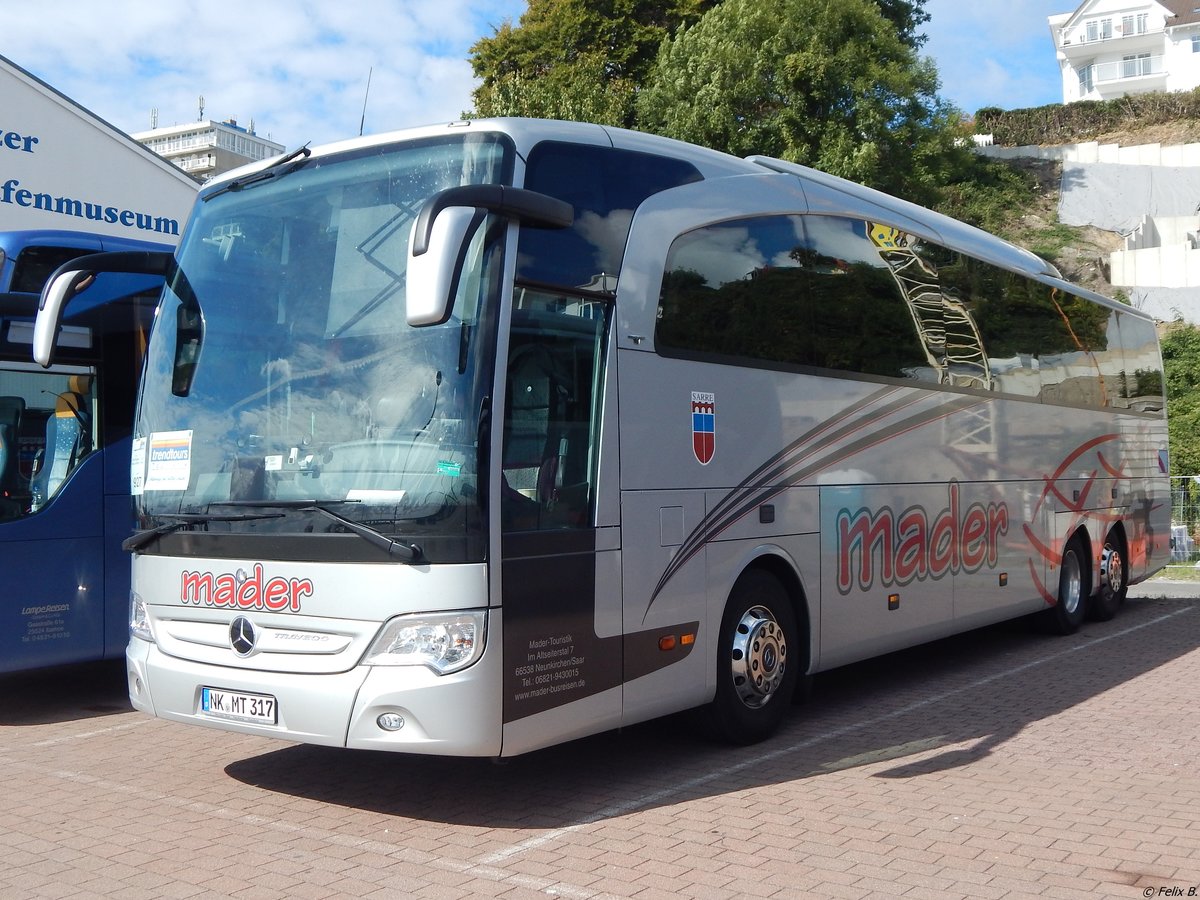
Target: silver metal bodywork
[{"x": 671, "y": 536}]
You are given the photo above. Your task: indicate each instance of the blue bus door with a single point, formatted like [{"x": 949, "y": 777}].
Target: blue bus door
[
  {"x": 64, "y": 482},
  {"x": 51, "y": 547}
]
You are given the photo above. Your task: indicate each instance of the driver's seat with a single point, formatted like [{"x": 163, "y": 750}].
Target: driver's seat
[{"x": 68, "y": 438}]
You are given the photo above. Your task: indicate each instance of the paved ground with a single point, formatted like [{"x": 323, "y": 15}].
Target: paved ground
[{"x": 997, "y": 764}]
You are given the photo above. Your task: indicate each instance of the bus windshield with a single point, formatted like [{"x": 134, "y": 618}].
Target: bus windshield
[{"x": 282, "y": 372}]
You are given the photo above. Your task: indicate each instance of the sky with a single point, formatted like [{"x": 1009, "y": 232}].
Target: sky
[
  {"x": 298, "y": 69},
  {"x": 993, "y": 53}
]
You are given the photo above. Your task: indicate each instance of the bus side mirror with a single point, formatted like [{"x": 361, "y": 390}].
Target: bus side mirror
[
  {"x": 438, "y": 242},
  {"x": 76, "y": 275},
  {"x": 432, "y": 274},
  {"x": 57, "y": 291}
]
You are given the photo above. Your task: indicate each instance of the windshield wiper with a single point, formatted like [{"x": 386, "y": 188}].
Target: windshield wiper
[
  {"x": 140, "y": 539},
  {"x": 397, "y": 549},
  {"x": 272, "y": 171}
]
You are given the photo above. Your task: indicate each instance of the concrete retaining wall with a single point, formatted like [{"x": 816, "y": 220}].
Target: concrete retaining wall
[
  {"x": 1092, "y": 152},
  {"x": 1159, "y": 252}
]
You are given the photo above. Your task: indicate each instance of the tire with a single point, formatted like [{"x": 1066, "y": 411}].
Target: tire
[
  {"x": 757, "y": 660},
  {"x": 1074, "y": 586},
  {"x": 1114, "y": 580}
]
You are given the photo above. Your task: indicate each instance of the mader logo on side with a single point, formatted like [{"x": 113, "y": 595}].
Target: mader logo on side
[
  {"x": 896, "y": 549},
  {"x": 242, "y": 591}
]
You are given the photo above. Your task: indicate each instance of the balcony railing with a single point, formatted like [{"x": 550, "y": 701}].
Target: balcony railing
[
  {"x": 1122, "y": 69},
  {"x": 1080, "y": 39},
  {"x": 196, "y": 163}
]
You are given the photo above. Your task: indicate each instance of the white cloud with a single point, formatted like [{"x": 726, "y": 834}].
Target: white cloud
[
  {"x": 297, "y": 69},
  {"x": 991, "y": 54}
]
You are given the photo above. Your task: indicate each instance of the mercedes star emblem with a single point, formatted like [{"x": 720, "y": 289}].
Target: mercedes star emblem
[{"x": 242, "y": 636}]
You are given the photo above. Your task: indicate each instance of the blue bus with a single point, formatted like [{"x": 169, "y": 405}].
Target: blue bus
[{"x": 64, "y": 453}]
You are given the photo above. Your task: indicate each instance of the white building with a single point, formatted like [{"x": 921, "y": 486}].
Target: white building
[
  {"x": 63, "y": 167},
  {"x": 1110, "y": 48},
  {"x": 206, "y": 148}
]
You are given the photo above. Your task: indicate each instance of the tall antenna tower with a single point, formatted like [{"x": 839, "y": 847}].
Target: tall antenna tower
[
  {"x": 201, "y": 119},
  {"x": 154, "y": 117}
]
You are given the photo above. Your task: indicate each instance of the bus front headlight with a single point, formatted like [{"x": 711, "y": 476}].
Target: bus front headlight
[
  {"x": 139, "y": 618},
  {"x": 444, "y": 642}
]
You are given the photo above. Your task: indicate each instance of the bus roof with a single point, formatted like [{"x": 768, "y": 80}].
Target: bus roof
[{"x": 713, "y": 164}]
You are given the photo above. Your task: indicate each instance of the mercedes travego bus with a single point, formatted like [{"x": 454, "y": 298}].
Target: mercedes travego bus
[
  {"x": 64, "y": 452},
  {"x": 476, "y": 438}
]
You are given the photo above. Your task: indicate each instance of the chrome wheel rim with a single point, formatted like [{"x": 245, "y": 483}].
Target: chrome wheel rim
[
  {"x": 1113, "y": 569},
  {"x": 1071, "y": 584},
  {"x": 759, "y": 656}
]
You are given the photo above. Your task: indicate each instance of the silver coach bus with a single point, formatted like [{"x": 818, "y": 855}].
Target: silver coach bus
[{"x": 477, "y": 438}]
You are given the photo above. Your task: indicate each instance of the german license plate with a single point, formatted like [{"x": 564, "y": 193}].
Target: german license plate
[{"x": 259, "y": 708}]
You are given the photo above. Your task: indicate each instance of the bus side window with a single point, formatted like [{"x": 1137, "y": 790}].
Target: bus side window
[
  {"x": 793, "y": 290},
  {"x": 46, "y": 430},
  {"x": 550, "y": 419},
  {"x": 537, "y": 393}
]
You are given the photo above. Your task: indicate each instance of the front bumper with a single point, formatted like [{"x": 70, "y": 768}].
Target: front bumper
[{"x": 451, "y": 715}]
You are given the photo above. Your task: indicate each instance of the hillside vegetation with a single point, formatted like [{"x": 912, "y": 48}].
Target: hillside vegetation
[
  {"x": 1018, "y": 200},
  {"x": 1173, "y": 114}
]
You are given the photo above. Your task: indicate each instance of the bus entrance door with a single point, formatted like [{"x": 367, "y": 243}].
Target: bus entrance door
[{"x": 51, "y": 520}]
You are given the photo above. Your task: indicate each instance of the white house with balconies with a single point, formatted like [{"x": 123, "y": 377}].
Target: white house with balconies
[{"x": 1110, "y": 48}]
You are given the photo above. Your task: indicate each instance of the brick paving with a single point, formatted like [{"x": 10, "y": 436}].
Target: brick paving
[{"x": 997, "y": 764}]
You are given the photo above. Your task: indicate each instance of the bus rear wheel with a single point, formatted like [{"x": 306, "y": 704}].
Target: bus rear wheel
[
  {"x": 1074, "y": 586},
  {"x": 757, "y": 660},
  {"x": 1114, "y": 584}
]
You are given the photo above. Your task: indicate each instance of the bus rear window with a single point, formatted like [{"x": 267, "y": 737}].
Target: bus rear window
[{"x": 34, "y": 265}]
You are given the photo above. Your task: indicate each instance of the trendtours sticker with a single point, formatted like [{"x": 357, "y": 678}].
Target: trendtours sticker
[{"x": 169, "y": 461}]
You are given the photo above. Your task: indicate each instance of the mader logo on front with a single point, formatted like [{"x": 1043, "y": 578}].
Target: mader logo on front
[
  {"x": 704, "y": 426},
  {"x": 244, "y": 590}
]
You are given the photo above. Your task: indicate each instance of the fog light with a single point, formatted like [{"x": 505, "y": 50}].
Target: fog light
[{"x": 390, "y": 721}]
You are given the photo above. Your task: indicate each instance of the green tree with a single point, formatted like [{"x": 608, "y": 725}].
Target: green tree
[
  {"x": 1181, "y": 363},
  {"x": 583, "y": 90},
  {"x": 908, "y": 17},
  {"x": 575, "y": 59},
  {"x": 846, "y": 93}
]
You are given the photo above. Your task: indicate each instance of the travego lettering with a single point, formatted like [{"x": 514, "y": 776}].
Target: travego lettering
[
  {"x": 911, "y": 546},
  {"x": 244, "y": 591}
]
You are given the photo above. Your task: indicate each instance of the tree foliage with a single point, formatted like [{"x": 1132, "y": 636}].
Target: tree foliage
[
  {"x": 907, "y": 16},
  {"x": 828, "y": 83},
  {"x": 1181, "y": 361},
  {"x": 576, "y": 59},
  {"x": 583, "y": 90}
]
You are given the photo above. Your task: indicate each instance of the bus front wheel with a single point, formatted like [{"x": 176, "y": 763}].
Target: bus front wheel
[{"x": 757, "y": 660}]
